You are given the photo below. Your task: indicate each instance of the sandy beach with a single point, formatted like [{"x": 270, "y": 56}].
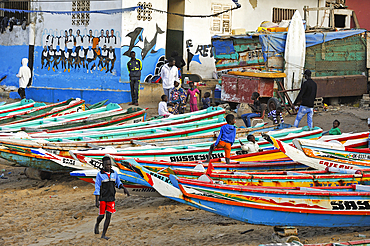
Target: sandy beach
[{"x": 62, "y": 211}]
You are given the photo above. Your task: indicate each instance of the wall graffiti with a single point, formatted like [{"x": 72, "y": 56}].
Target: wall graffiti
[
  {"x": 73, "y": 52},
  {"x": 152, "y": 59},
  {"x": 205, "y": 50}
]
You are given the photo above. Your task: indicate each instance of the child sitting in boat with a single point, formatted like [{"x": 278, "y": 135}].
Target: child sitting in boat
[
  {"x": 256, "y": 108},
  {"x": 335, "y": 130},
  {"x": 225, "y": 139},
  {"x": 275, "y": 113},
  {"x": 162, "y": 107},
  {"x": 252, "y": 146}
]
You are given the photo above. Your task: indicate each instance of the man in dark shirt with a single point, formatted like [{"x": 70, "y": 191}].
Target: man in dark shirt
[
  {"x": 105, "y": 193},
  {"x": 134, "y": 67},
  {"x": 306, "y": 99}
]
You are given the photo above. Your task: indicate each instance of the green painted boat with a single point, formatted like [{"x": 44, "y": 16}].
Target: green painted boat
[
  {"x": 210, "y": 113},
  {"x": 40, "y": 110},
  {"x": 100, "y": 120},
  {"x": 23, "y": 105},
  {"x": 57, "y": 120}
]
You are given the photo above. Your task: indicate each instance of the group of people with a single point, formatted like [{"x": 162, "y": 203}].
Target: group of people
[{"x": 72, "y": 51}]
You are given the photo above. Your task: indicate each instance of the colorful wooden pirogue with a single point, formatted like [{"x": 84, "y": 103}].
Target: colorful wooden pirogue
[
  {"x": 43, "y": 111},
  {"x": 320, "y": 155},
  {"x": 326, "y": 207},
  {"x": 191, "y": 152}
]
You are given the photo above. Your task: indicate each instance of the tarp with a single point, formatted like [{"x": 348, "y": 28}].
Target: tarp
[
  {"x": 275, "y": 42},
  {"x": 106, "y": 11},
  {"x": 223, "y": 47}
]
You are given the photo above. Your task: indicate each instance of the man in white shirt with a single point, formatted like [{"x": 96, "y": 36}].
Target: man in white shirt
[
  {"x": 252, "y": 146},
  {"x": 24, "y": 76},
  {"x": 169, "y": 75},
  {"x": 162, "y": 107}
]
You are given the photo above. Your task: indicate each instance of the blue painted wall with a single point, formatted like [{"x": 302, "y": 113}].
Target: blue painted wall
[{"x": 10, "y": 62}]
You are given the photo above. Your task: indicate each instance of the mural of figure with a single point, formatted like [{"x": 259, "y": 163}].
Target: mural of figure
[
  {"x": 66, "y": 60},
  {"x": 70, "y": 41},
  {"x": 102, "y": 38},
  {"x": 81, "y": 57},
  {"x": 102, "y": 57},
  {"x": 90, "y": 57},
  {"x": 73, "y": 58},
  {"x": 44, "y": 56},
  {"x": 107, "y": 37},
  {"x": 79, "y": 40},
  {"x": 50, "y": 57},
  {"x": 111, "y": 59},
  {"x": 90, "y": 38},
  {"x": 62, "y": 42},
  {"x": 57, "y": 57},
  {"x": 49, "y": 40},
  {"x": 55, "y": 42},
  {"x": 112, "y": 39}
]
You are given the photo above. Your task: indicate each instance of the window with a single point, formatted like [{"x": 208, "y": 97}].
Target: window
[
  {"x": 24, "y": 5},
  {"x": 221, "y": 23},
  {"x": 81, "y": 19},
  {"x": 282, "y": 14},
  {"x": 144, "y": 13}
]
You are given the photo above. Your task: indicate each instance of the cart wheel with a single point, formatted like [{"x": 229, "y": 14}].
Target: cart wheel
[{"x": 273, "y": 104}]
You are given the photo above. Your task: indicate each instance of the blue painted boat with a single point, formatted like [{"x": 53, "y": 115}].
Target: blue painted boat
[{"x": 300, "y": 206}]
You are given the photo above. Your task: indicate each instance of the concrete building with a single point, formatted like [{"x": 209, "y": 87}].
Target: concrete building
[{"x": 85, "y": 55}]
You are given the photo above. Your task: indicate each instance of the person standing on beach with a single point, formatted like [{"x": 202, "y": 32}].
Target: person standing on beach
[
  {"x": 24, "y": 76},
  {"x": 134, "y": 67},
  {"x": 105, "y": 193},
  {"x": 169, "y": 75},
  {"x": 306, "y": 99}
]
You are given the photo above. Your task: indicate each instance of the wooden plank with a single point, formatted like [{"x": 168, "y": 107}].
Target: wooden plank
[
  {"x": 340, "y": 65},
  {"x": 342, "y": 56}
]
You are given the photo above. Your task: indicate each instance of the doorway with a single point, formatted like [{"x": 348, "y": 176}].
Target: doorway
[{"x": 175, "y": 28}]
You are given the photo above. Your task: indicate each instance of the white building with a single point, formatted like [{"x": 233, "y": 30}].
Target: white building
[{"x": 65, "y": 66}]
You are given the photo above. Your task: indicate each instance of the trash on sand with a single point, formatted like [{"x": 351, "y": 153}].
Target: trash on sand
[
  {"x": 75, "y": 187},
  {"x": 243, "y": 232},
  {"x": 53, "y": 196},
  {"x": 187, "y": 218},
  {"x": 361, "y": 235},
  {"x": 2, "y": 176}
]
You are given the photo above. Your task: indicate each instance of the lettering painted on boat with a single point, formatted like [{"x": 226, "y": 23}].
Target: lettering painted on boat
[
  {"x": 69, "y": 161},
  {"x": 55, "y": 152},
  {"x": 143, "y": 190},
  {"x": 96, "y": 163},
  {"x": 350, "y": 205},
  {"x": 201, "y": 157},
  {"x": 137, "y": 120},
  {"x": 164, "y": 179},
  {"x": 359, "y": 156},
  {"x": 331, "y": 164}
]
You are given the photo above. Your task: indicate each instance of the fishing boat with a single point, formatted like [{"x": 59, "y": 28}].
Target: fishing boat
[
  {"x": 43, "y": 111},
  {"x": 198, "y": 151},
  {"x": 13, "y": 108},
  {"x": 104, "y": 119},
  {"x": 207, "y": 114},
  {"x": 340, "y": 206},
  {"x": 41, "y": 159},
  {"x": 336, "y": 155},
  {"x": 52, "y": 121}
]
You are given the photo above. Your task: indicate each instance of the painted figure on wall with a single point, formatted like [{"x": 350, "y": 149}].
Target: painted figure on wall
[{"x": 80, "y": 53}]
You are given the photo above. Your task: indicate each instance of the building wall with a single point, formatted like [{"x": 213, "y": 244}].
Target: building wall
[
  {"x": 197, "y": 31},
  {"x": 13, "y": 47},
  {"x": 362, "y": 10}
]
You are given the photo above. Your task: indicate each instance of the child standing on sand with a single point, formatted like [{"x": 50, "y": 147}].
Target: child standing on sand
[
  {"x": 105, "y": 194},
  {"x": 192, "y": 93},
  {"x": 225, "y": 139}
]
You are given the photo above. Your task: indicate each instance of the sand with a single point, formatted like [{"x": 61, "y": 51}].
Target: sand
[{"x": 62, "y": 211}]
